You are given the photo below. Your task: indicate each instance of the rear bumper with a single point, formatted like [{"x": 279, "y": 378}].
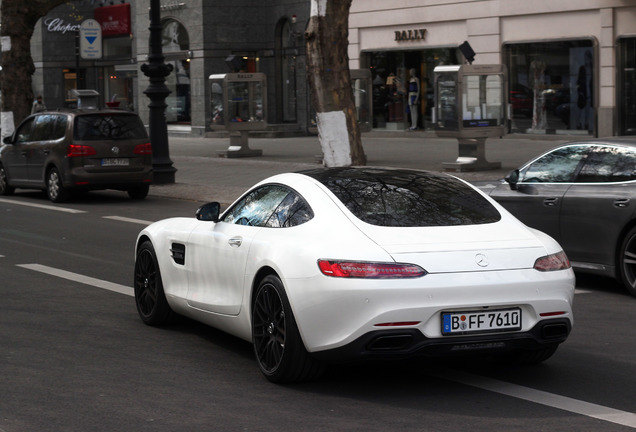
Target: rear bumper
[
  {"x": 81, "y": 179},
  {"x": 406, "y": 343}
]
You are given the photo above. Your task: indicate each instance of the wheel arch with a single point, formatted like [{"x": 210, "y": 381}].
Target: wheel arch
[
  {"x": 619, "y": 243},
  {"x": 262, "y": 273}
]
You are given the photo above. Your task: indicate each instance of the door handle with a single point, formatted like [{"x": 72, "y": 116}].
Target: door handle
[
  {"x": 235, "y": 241},
  {"x": 621, "y": 202},
  {"x": 550, "y": 202}
]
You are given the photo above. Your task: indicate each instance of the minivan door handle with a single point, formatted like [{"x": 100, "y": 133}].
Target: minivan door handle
[
  {"x": 621, "y": 202},
  {"x": 550, "y": 202}
]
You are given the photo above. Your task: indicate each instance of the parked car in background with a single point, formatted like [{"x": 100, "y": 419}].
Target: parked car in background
[
  {"x": 583, "y": 194},
  {"x": 61, "y": 152},
  {"x": 339, "y": 264}
]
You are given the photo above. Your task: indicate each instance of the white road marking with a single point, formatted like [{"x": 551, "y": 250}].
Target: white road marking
[
  {"x": 42, "y": 206},
  {"x": 131, "y": 220},
  {"x": 588, "y": 409},
  {"x": 98, "y": 283}
]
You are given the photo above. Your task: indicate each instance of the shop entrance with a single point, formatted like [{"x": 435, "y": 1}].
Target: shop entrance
[{"x": 393, "y": 81}]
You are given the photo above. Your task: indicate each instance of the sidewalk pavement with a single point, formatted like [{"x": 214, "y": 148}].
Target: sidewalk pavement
[{"x": 204, "y": 176}]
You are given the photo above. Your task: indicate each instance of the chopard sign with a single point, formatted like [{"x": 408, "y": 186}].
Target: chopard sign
[
  {"x": 410, "y": 35},
  {"x": 58, "y": 25}
]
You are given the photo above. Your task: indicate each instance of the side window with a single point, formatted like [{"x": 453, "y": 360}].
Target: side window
[
  {"x": 558, "y": 166},
  {"x": 257, "y": 206},
  {"x": 43, "y": 127},
  {"x": 292, "y": 211},
  {"x": 59, "y": 127},
  {"x": 609, "y": 164},
  {"x": 24, "y": 132}
]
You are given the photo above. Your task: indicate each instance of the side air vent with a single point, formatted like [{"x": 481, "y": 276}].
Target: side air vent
[{"x": 178, "y": 253}]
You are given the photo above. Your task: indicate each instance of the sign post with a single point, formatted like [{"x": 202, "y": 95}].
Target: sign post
[{"x": 91, "y": 40}]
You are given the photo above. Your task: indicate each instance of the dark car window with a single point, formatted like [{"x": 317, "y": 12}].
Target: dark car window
[
  {"x": 108, "y": 127},
  {"x": 608, "y": 164},
  {"x": 272, "y": 206},
  {"x": 403, "y": 198},
  {"x": 49, "y": 127},
  {"x": 25, "y": 131},
  {"x": 558, "y": 166}
]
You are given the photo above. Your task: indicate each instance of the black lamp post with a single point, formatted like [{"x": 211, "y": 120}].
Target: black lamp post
[{"x": 157, "y": 71}]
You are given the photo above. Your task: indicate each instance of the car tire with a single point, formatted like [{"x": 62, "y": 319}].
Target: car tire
[
  {"x": 627, "y": 261},
  {"x": 150, "y": 298},
  {"x": 5, "y": 189},
  {"x": 279, "y": 349},
  {"x": 139, "y": 192},
  {"x": 54, "y": 189}
]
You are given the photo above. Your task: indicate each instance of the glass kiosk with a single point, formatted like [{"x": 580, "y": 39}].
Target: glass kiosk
[
  {"x": 470, "y": 106},
  {"x": 238, "y": 104}
]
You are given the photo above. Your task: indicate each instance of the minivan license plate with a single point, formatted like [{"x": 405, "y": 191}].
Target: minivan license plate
[
  {"x": 481, "y": 321},
  {"x": 115, "y": 162}
]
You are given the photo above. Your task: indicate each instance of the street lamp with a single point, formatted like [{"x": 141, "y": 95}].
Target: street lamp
[{"x": 157, "y": 71}]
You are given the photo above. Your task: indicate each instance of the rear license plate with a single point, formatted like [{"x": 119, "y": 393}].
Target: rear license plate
[
  {"x": 486, "y": 321},
  {"x": 115, "y": 162}
]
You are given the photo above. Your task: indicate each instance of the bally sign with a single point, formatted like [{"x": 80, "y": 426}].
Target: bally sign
[{"x": 410, "y": 35}]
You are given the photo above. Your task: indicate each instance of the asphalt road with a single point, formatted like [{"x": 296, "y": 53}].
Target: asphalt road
[{"x": 74, "y": 355}]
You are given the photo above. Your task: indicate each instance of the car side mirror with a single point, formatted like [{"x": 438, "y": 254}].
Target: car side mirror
[
  {"x": 8, "y": 139},
  {"x": 513, "y": 179},
  {"x": 209, "y": 212}
]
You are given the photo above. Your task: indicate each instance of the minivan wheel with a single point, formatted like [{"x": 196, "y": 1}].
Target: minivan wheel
[
  {"x": 54, "y": 189},
  {"x": 139, "y": 192},
  {"x": 5, "y": 189}
]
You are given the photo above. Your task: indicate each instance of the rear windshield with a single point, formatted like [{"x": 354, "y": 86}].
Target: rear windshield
[
  {"x": 96, "y": 127},
  {"x": 405, "y": 198}
]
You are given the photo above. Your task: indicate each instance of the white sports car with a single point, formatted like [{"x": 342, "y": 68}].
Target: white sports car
[{"x": 342, "y": 264}]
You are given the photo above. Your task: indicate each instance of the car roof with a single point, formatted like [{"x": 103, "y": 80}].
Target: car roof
[{"x": 629, "y": 141}]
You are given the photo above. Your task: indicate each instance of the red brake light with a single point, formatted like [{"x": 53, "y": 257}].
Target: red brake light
[
  {"x": 352, "y": 269},
  {"x": 557, "y": 261},
  {"x": 143, "y": 149},
  {"x": 75, "y": 150}
]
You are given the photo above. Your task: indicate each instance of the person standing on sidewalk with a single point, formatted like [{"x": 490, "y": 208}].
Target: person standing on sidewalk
[{"x": 38, "y": 105}]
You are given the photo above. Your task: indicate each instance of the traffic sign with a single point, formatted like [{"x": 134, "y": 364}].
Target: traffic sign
[{"x": 91, "y": 40}]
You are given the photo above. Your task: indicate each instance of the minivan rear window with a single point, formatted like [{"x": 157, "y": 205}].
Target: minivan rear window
[
  {"x": 97, "y": 127},
  {"x": 406, "y": 198}
]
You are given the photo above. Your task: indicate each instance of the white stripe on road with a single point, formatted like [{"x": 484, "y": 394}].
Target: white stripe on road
[
  {"x": 98, "y": 283},
  {"x": 42, "y": 206},
  {"x": 587, "y": 409},
  {"x": 131, "y": 220},
  {"x": 600, "y": 412}
]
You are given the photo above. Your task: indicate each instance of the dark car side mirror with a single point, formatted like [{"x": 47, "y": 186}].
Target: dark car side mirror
[
  {"x": 8, "y": 139},
  {"x": 209, "y": 212},
  {"x": 513, "y": 179}
]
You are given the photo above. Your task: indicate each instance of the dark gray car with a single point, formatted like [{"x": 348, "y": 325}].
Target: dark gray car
[
  {"x": 61, "y": 152},
  {"x": 583, "y": 194}
]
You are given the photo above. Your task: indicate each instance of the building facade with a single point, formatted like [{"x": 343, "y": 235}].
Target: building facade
[
  {"x": 570, "y": 63},
  {"x": 199, "y": 38}
]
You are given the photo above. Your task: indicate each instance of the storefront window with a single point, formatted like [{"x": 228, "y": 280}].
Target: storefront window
[
  {"x": 390, "y": 75},
  {"x": 175, "y": 45},
  {"x": 552, "y": 87},
  {"x": 627, "y": 86}
]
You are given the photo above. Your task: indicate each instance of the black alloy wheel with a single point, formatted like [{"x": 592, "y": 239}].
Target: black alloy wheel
[
  {"x": 5, "y": 189},
  {"x": 278, "y": 347},
  {"x": 54, "y": 188},
  {"x": 150, "y": 298},
  {"x": 627, "y": 261}
]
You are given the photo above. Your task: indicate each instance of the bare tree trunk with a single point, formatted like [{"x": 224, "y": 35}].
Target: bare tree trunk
[
  {"x": 330, "y": 80},
  {"x": 18, "y": 21}
]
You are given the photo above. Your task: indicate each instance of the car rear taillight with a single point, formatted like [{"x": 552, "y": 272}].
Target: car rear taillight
[
  {"x": 353, "y": 269},
  {"x": 75, "y": 150},
  {"x": 557, "y": 261},
  {"x": 143, "y": 149}
]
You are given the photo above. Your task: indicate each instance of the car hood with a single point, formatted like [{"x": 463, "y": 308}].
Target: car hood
[{"x": 507, "y": 244}]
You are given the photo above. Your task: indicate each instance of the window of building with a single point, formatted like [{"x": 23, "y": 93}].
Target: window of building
[
  {"x": 627, "y": 86},
  {"x": 552, "y": 86},
  {"x": 175, "y": 45}
]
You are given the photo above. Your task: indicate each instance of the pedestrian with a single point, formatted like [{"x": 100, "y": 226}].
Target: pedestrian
[{"x": 38, "y": 105}]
